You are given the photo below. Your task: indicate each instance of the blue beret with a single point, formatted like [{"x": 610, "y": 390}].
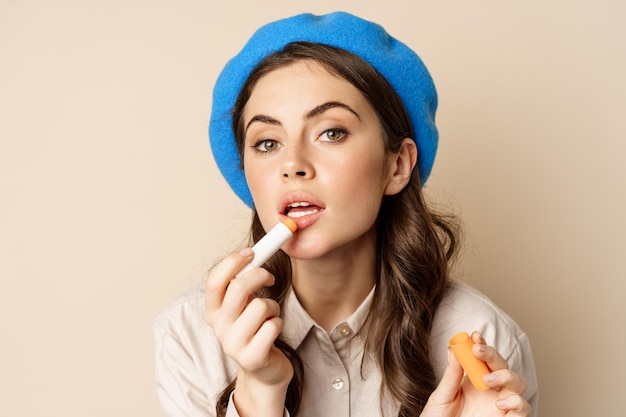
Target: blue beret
[{"x": 403, "y": 69}]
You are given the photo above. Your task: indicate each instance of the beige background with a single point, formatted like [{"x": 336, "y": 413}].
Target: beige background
[{"x": 111, "y": 204}]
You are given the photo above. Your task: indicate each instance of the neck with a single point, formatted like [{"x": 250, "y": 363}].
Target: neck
[{"x": 331, "y": 288}]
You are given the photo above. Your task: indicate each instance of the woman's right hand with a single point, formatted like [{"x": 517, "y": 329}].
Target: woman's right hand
[{"x": 247, "y": 327}]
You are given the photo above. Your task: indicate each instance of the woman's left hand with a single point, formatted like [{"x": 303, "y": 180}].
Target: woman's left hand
[{"x": 456, "y": 397}]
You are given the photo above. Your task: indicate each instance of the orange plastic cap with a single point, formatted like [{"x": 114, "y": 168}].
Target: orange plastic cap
[
  {"x": 290, "y": 224},
  {"x": 461, "y": 345}
]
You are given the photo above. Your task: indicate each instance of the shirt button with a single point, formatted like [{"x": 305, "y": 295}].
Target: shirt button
[
  {"x": 344, "y": 330},
  {"x": 338, "y": 383}
]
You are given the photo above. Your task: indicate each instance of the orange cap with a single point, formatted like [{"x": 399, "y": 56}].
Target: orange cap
[
  {"x": 461, "y": 345},
  {"x": 290, "y": 224}
]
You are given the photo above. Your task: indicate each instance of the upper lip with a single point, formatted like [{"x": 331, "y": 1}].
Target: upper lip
[{"x": 298, "y": 198}]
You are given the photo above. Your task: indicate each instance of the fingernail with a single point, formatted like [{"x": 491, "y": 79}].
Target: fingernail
[
  {"x": 490, "y": 378},
  {"x": 246, "y": 252},
  {"x": 482, "y": 339},
  {"x": 501, "y": 403}
]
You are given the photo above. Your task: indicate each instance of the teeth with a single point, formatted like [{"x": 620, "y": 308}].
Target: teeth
[
  {"x": 299, "y": 204},
  {"x": 296, "y": 215}
]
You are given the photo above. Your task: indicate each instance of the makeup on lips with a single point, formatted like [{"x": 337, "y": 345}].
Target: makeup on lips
[{"x": 302, "y": 208}]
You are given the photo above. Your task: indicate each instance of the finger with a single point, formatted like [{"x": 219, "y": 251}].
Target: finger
[
  {"x": 477, "y": 338},
  {"x": 487, "y": 353},
  {"x": 237, "y": 339},
  {"x": 220, "y": 276},
  {"x": 506, "y": 379},
  {"x": 450, "y": 383},
  {"x": 254, "y": 354},
  {"x": 241, "y": 291},
  {"x": 256, "y": 313},
  {"x": 514, "y": 405},
  {"x": 263, "y": 340}
]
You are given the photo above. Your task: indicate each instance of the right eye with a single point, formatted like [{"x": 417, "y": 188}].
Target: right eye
[{"x": 266, "y": 145}]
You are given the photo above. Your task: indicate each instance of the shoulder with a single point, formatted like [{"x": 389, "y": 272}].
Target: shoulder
[
  {"x": 181, "y": 330},
  {"x": 465, "y": 308},
  {"x": 187, "y": 309}
]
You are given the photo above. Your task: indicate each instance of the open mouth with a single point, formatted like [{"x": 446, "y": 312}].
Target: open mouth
[{"x": 300, "y": 209}]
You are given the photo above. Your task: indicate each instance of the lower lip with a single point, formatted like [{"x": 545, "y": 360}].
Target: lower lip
[{"x": 308, "y": 220}]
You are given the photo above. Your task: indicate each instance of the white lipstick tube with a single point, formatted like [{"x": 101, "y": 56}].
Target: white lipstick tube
[{"x": 270, "y": 243}]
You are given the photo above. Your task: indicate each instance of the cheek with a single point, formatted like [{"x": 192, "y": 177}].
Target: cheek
[
  {"x": 257, "y": 184},
  {"x": 263, "y": 184},
  {"x": 362, "y": 178},
  {"x": 257, "y": 174}
]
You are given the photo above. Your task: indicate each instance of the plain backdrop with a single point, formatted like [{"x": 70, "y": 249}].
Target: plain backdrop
[{"x": 111, "y": 203}]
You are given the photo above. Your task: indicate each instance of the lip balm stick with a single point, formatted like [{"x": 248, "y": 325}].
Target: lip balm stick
[
  {"x": 270, "y": 243},
  {"x": 461, "y": 345}
]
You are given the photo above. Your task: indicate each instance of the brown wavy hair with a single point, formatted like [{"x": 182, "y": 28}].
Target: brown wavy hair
[{"x": 415, "y": 246}]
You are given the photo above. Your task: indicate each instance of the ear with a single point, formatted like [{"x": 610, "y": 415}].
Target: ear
[{"x": 401, "y": 166}]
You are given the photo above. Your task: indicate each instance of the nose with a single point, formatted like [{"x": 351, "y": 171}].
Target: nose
[{"x": 296, "y": 164}]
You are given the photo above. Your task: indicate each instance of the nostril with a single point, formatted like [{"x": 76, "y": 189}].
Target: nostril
[{"x": 287, "y": 174}]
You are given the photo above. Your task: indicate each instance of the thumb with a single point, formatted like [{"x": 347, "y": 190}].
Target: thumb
[{"x": 450, "y": 384}]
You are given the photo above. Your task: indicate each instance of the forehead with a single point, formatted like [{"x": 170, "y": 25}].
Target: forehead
[{"x": 304, "y": 82}]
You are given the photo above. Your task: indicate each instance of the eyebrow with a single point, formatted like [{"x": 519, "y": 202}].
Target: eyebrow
[
  {"x": 330, "y": 105},
  {"x": 263, "y": 119},
  {"x": 316, "y": 111}
]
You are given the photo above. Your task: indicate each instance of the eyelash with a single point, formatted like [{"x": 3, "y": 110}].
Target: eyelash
[
  {"x": 342, "y": 132},
  {"x": 257, "y": 145}
]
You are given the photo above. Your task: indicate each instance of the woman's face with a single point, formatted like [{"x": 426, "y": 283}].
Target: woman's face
[{"x": 313, "y": 151}]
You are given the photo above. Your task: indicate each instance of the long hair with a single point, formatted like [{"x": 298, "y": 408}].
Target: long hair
[{"x": 415, "y": 246}]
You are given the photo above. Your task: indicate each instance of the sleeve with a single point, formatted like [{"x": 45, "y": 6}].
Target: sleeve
[
  {"x": 190, "y": 368},
  {"x": 179, "y": 386},
  {"x": 231, "y": 411},
  {"x": 179, "y": 382}
]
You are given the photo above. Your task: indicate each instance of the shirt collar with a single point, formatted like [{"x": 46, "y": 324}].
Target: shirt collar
[{"x": 297, "y": 323}]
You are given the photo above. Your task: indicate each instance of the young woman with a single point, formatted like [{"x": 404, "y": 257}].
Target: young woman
[{"x": 329, "y": 121}]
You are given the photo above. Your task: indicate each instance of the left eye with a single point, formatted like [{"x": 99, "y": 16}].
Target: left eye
[{"x": 333, "y": 135}]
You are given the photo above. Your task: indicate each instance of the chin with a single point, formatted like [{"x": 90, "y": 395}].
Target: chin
[{"x": 302, "y": 249}]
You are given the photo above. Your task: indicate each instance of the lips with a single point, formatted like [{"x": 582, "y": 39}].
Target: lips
[{"x": 302, "y": 207}]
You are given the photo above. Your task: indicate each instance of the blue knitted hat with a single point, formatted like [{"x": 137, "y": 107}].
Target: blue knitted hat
[{"x": 402, "y": 68}]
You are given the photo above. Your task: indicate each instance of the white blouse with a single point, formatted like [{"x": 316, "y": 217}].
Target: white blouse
[{"x": 192, "y": 370}]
